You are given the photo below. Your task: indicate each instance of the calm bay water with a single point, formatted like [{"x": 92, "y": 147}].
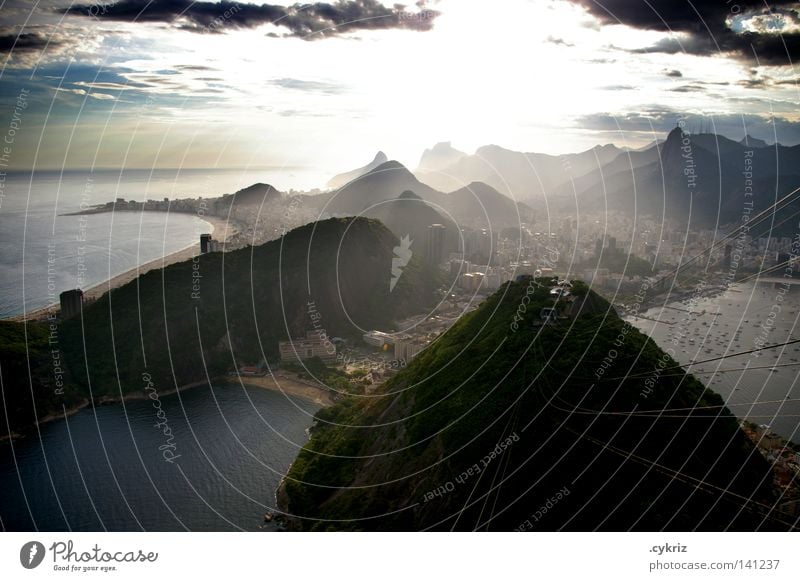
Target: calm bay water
[
  {"x": 102, "y": 469},
  {"x": 757, "y": 387}
]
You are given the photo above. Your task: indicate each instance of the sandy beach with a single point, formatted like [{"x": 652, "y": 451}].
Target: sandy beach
[
  {"x": 223, "y": 231},
  {"x": 288, "y": 386}
]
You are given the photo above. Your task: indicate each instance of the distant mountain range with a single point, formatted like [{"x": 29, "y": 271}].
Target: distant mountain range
[
  {"x": 521, "y": 176},
  {"x": 706, "y": 180},
  {"x": 476, "y": 205},
  {"x": 698, "y": 178}
]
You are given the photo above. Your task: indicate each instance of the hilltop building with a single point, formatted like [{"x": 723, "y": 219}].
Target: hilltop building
[
  {"x": 205, "y": 240},
  {"x": 406, "y": 347},
  {"x": 378, "y": 339},
  {"x": 548, "y": 315},
  {"x": 314, "y": 344},
  {"x": 435, "y": 244},
  {"x": 71, "y": 303}
]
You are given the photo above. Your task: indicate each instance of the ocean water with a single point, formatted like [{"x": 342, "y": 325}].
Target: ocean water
[
  {"x": 761, "y": 387},
  {"x": 43, "y": 252},
  {"x": 102, "y": 469}
]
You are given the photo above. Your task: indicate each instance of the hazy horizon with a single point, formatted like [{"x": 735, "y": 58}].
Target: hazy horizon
[
  {"x": 323, "y": 172},
  {"x": 237, "y": 85}
]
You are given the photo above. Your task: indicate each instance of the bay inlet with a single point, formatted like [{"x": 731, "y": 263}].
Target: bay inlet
[{"x": 104, "y": 468}]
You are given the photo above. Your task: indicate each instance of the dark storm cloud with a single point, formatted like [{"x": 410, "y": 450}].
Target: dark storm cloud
[
  {"x": 673, "y": 73},
  {"x": 705, "y": 22},
  {"x": 309, "y": 21},
  {"x": 30, "y": 47},
  {"x": 27, "y": 41}
]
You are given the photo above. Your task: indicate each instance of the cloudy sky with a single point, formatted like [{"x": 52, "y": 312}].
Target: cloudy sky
[{"x": 175, "y": 83}]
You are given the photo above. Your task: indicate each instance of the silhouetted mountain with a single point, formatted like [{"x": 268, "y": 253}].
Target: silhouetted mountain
[
  {"x": 256, "y": 199},
  {"x": 438, "y": 158},
  {"x": 339, "y": 180},
  {"x": 480, "y": 205},
  {"x": 477, "y": 205},
  {"x": 489, "y": 425},
  {"x": 625, "y": 161},
  {"x": 702, "y": 179},
  {"x": 410, "y": 215},
  {"x": 255, "y": 195},
  {"x": 750, "y": 141},
  {"x": 385, "y": 182},
  {"x": 521, "y": 176}
]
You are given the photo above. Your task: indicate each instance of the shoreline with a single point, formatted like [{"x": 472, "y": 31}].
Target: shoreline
[
  {"x": 222, "y": 230},
  {"x": 100, "y": 401},
  {"x": 289, "y": 386},
  {"x": 279, "y": 384},
  {"x": 664, "y": 299}
]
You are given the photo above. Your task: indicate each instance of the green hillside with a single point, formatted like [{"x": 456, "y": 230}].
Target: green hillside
[
  {"x": 32, "y": 370},
  {"x": 201, "y": 318},
  {"x": 493, "y": 428}
]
